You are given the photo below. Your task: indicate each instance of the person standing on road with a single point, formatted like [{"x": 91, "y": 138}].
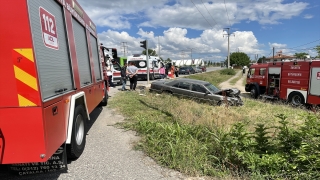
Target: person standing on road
[
  {"x": 124, "y": 77},
  {"x": 162, "y": 72},
  {"x": 243, "y": 71},
  {"x": 172, "y": 70},
  {"x": 177, "y": 71},
  {"x": 132, "y": 72},
  {"x": 109, "y": 74}
]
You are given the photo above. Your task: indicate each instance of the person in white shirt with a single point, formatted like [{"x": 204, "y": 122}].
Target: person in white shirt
[
  {"x": 132, "y": 72},
  {"x": 109, "y": 74}
]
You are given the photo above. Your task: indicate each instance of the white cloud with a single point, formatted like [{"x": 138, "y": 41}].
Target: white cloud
[
  {"x": 184, "y": 14},
  {"x": 179, "y": 16},
  {"x": 308, "y": 16},
  {"x": 174, "y": 42}
]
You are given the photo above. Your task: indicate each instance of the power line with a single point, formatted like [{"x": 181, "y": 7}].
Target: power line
[
  {"x": 202, "y": 14},
  {"x": 227, "y": 12},
  {"x": 303, "y": 44},
  {"x": 209, "y": 12}
]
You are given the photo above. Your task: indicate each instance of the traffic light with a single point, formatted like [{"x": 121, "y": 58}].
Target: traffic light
[{"x": 143, "y": 44}]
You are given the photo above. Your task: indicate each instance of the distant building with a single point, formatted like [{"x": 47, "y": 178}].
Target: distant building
[
  {"x": 279, "y": 57},
  {"x": 188, "y": 62}
]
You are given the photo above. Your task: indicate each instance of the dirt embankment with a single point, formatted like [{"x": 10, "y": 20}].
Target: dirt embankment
[{"x": 239, "y": 84}]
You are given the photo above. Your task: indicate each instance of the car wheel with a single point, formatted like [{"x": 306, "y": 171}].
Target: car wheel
[
  {"x": 296, "y": 99},
  {"x": 254, "y": 92},
  {"x": 224, "y": 103},
  {"x": 78, "y": 136}
]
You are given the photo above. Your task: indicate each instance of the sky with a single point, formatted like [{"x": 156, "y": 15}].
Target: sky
[{"x": 182, "y": 29}]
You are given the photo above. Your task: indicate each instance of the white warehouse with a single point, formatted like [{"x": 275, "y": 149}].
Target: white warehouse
[{"x": 188, "y": 62}]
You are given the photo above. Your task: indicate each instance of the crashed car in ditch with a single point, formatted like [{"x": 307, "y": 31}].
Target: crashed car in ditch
[{"x": 199, "y": 90}]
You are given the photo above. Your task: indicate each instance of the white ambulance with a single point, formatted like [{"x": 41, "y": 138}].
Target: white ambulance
[
  {"x": 140, "y": 61},
  {"x": 114, "y": 67}
]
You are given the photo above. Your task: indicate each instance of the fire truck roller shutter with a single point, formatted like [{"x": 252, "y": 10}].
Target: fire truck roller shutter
[
  {"x": 82, "y": 53},
  {"x": 315, "y": 81},
  {"x": 53, "y": 64},
  {"x": 95, "y": 57}
]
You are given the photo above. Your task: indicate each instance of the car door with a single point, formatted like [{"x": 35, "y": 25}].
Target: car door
[
  {"x": 182, "y": 90},
  {"x": 199, "y": 92}
]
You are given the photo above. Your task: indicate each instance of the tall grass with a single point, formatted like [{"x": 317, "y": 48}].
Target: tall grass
[{"x": 203, "y": 140}]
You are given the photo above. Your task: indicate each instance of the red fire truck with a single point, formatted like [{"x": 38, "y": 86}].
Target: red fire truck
[
  {"x": 297, "y": 81},
  {"x": 51, "y": 79}
]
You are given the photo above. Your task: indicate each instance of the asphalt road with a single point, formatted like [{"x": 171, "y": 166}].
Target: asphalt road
[{"x": 108, "y": 154}]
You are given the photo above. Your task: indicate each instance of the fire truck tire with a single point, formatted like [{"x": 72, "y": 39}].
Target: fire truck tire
[
  {"x": 296, "y": 99},
  {"x": 78, "y": 136},
  {"x": 104, "y": 101},
  {"x": 254, "y": 92}
]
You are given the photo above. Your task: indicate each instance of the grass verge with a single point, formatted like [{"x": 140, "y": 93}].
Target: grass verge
[{"x": 203, "y": 140}]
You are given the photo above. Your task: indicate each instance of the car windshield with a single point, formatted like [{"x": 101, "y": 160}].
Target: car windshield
[{"x": 211, "y": 88}]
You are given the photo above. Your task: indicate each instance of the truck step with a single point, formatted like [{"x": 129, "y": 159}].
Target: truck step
[{"x": 268, "y": 97}]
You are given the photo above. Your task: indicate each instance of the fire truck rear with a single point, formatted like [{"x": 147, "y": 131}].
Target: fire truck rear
[
  {"x": 51, "y": 79},
  {"x": 297, "y": 81}
]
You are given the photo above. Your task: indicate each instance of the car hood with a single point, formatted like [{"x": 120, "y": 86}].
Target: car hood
[{"x": 231, "y": 92}]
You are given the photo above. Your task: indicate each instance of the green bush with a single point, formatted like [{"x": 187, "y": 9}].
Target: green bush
[
  {"x": 228, "y": 72},
  {"x": 286, "y": 153}
]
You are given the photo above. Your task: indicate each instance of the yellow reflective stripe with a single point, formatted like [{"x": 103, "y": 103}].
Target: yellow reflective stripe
[
  {"x": 26, "y": 78},
  {"x": 24, "y": 102},
  {"x": 27, "y": 53}
]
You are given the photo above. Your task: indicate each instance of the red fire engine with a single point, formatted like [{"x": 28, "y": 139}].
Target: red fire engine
[
  {"x": 51, "y": 79},
  {"x": 297, "y": 81}
]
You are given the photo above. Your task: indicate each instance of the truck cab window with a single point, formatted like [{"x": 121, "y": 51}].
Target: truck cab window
[
  {"x": 262, "y": 71},
  {"x": 251, "y": 71}
]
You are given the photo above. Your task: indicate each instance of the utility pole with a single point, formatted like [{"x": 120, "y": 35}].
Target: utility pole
[
  {"x": 182, "y": 53},
  {"x": 228, "y": 35},
  {"x": 273, "y": 53},
  {"x": 124, "y": 46},
  {"x": 158, "y": 47},
  {"x": 191, "y": 53}
]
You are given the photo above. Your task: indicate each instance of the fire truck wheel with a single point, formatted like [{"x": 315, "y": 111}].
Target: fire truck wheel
[
  {"x": 104, "y": 101},
  {"x": 296, "y": 99},
  {"x": 78, "y": 136},
  {"x": 254, "y": 92}
]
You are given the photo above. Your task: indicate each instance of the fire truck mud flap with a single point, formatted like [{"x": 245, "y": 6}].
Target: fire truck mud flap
[
  {"x": 78, "y": 135},
  {"x": 1, "y": 146}
]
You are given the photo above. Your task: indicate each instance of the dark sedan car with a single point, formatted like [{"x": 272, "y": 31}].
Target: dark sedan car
[
  {"x": 186, "y": 70},
  {"x": 204, "y": 69},
  {"x": 200, "y": 90}
]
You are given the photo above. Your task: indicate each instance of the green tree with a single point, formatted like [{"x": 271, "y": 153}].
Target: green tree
[
  {"x": 301, "y": 55},
  {"x": 239, "y": 58},
  {"x": 317, "y": 48},
  {"x": 168, "y": 60},
  {"x": 261, "y": 59},
  {"x": 151, "y": 52}
]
